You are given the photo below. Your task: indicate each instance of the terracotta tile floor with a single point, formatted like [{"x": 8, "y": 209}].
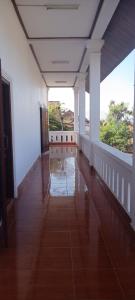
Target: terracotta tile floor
[{"x": 68, "y": 239}]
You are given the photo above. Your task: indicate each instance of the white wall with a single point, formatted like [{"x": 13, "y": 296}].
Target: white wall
[{"x": 27, "y": 90}]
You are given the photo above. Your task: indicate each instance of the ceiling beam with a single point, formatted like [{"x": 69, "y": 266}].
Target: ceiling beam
[
  {"x": 90, "y": 34},
  {"x": 96, "y": 17},
  {"x": 106, "y": 12},
  {"x": 82, "y": 58},
  {"x": 59, "y": 72},
  {"x": 19, "y": 17},
  {"x": 58, "y": 38},
  {"x": 52, "y": 6},
  {"x": 37, "y": 62},
  {"x": 64, "y": 87},
  {"x": 34, "y": 54},
  {"x": 31, "y": 5},
  {"x": 27, "y": 37},
  {"x": 91, "y": 31}
]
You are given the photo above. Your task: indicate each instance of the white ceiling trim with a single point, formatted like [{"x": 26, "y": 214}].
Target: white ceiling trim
[
  {"x": 106, "y": 13},
  {"x": 41, "y": 22},
  {"x": 59, "y": 55},
  {"x": 61, "y": 79},
  {"x": 105, "y": 16},
  {"x": 60, "y": 36}
]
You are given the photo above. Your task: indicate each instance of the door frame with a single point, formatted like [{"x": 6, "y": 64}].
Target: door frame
[
  {"x": 41, "y": 129},
  {"x": 7, "y": 79},
  {"x": 44, "y": 144},
  {"x": 4, "y": 231}
]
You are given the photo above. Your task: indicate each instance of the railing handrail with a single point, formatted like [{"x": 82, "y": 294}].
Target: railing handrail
[
  {"x": 62, "y": 131},
  {"x": 63, "y": 137},
  {"x": 123, "y": 158},
  {"x": 114, "y": 167}
]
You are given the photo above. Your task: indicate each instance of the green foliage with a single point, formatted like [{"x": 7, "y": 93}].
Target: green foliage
[
  {"x": 54, "y": 120},
  {"x": 119, "y": 112},
  {"x": 54, "y": 125},
  {"x": 57, "y": 118},
  {"x": 117, "y": 129}
]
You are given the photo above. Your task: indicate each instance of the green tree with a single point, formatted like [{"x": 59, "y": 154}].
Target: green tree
[
  {"x": 119, "y": 112},
  {"x": 58, "y": 119},
  {"x": 117, "y": 129},
  {"x": 54, "y": 121}
]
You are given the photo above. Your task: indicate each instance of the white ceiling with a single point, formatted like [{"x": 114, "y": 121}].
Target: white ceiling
[
  {"x": 60, "y": 79},
  {"x": 58, "y": 37},
  {"x": 41, "y": 22},
  {"x": 50, "y": 52}
]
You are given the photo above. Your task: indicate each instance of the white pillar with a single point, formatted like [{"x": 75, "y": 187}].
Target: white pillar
[
  {"x": 76, "y": 108},
  {"x": 82, "y": 104},
  {"x": 94, "y": 51},
  {"x": 94, "y": 83}
]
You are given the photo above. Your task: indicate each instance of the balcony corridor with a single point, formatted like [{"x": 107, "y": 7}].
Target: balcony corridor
[{"x": 67, "y": 239}]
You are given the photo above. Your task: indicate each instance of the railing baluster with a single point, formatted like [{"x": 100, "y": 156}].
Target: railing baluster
[
  {"x": 126, "y": 195},
  {"x": 117, "y": 194},
  {"x": 115, "y": 168},
  {"x": 111, "y": 177},
  {"x": 115, "y": 182},
  {"x": 106, "y": 172},
  {"x": 62, "y": 137},
  {"x": 122, "y": 191},
  {"x": 129, "y": 197}
]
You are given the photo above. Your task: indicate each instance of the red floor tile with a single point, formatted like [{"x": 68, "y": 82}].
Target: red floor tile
[
  {"x": 75, "y": 246},
  {"x": 56, "y": 239},
  {"x": 54, "y": 258},
  {"x": 87, "y": 258},
  {"x": 83, "y": 238},
  {"x": 97, "y": 284},
  {"x": 127, "y": 280}
]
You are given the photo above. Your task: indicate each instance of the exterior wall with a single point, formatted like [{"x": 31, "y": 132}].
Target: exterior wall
[{"x": 27, "y": 90}]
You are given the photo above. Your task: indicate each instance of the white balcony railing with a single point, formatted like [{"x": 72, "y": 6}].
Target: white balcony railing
[
  {"x": 69, "y": 137},
  {"x": 114, "y": 167},
  {"x": 85, "y": 145}
]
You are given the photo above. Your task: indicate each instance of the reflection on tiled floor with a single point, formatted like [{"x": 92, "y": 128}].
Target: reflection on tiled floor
[
  {"x": 68, "y": 241},
  {"x": 62, "y": 176}
]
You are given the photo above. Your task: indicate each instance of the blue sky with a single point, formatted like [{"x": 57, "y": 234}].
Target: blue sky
[{"x": 118, "y": 86}]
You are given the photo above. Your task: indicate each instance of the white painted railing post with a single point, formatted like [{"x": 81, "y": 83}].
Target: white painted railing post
[
  {"x": 94, "y": 51},
  {"x": 81, "y": 106},
  {"x": 76, "y": 95}
]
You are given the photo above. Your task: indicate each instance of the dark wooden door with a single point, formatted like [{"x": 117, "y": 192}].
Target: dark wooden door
[
  {"x": 6, "y": 155},
  {"x": 7, "y": 132},
  {"x": 3, "y": 217},
  {"x": 44, "y": 129}
]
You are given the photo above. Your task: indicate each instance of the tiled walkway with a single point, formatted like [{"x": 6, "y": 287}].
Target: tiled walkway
[{"x": 68, "y": 240}]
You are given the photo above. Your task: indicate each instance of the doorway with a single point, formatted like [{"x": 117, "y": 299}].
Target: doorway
[
  {"x": 6, "y": 155},
  {"x": 44, "y": 129},
  {"x": 7, "y": 132}
]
